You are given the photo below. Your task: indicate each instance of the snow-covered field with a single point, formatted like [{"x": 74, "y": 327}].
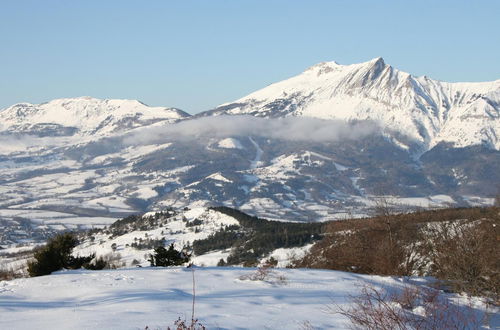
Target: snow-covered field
[{"x": 156, "y": 297}]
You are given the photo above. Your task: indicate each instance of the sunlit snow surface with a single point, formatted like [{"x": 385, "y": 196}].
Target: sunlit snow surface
[
  {"x": 230, "y": 143},
  {"x": 90, "y": 116},
  {"x": 136, "y": 298}
]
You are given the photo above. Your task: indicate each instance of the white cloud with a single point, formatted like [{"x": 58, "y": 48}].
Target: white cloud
[
  {"x": 14, "y": 142},
  {"x": 289, "y": 128}
]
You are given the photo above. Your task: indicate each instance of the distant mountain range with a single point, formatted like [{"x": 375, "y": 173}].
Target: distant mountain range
[{"x": 325, "y": 144}]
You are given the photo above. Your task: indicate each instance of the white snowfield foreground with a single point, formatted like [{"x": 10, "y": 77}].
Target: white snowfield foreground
[{"x": 136, "y": 298}]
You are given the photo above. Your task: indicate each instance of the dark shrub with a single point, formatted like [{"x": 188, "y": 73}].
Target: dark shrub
[
  {"x": 98, "y": 264},
  {"x": 55, "y": 255},
  {"x": 168, "y": 257}
]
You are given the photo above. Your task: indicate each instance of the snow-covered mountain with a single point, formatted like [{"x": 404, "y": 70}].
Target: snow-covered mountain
[
  {"x": 425, "y": 110},
  {"x": 85, "y": 162},
  {"x": 83, "y": 116}
]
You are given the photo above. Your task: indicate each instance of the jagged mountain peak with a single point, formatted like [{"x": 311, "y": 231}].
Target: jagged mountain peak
[
  {"x": 375, "y": 64},
  {"x": 378, "y": 60}
]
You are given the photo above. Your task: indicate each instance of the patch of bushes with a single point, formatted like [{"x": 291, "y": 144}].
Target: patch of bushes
[
  {"x": 168, "y": 257},
  {"x": 6, "y": 275},
  {"x": 466, "y": 256},
  {"x": 458, "y": 246},
  {"x": 255, "y": 238},
  {"x": 409, "y": 308},
  {"x": 266, "y": 273},
  {"x": 110, "y": 260},
  {"x": 147, "y": 244},
  {"x": 224, "y": 238},
  {"x": 195, "y": 222},
  {"x": 139, "y": 222}
]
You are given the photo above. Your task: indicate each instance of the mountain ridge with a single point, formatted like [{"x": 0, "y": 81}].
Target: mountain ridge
[
  {"x": 426, "y": 110},
  {"x": 423, "y": 111},
  {"x": 86, "y": 115}
]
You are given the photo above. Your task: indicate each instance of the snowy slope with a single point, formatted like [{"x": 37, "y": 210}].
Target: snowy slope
[
  {"x": 85, "y": 114},
  {"x": 180, "y": 228},
  {"x": 426, "y": 110},
  {"x": 155, "y": 298}
]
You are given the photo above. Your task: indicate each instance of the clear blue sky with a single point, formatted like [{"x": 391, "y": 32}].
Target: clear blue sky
[{"x": 195, "y": 55}]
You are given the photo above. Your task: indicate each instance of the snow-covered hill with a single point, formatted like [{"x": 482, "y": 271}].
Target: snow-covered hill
[
  {"x": 155, "y": 298},
  {"x": 133, "y": 246},
  {"x": 425, "y": 110},
  {"x": 83, "y": 115},
  {"x": 207, "y": 235},
  {"x": 130, "y": 241}
]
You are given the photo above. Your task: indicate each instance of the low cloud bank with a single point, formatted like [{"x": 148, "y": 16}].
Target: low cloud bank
[
  {"x": 14, "y": 142},
  {"x": 289, "y": 128}
]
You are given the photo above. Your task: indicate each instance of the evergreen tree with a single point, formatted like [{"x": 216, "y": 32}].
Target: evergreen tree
[
  {"x": 55, "y": 255},
  {"x": 168, "y": 257}
]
